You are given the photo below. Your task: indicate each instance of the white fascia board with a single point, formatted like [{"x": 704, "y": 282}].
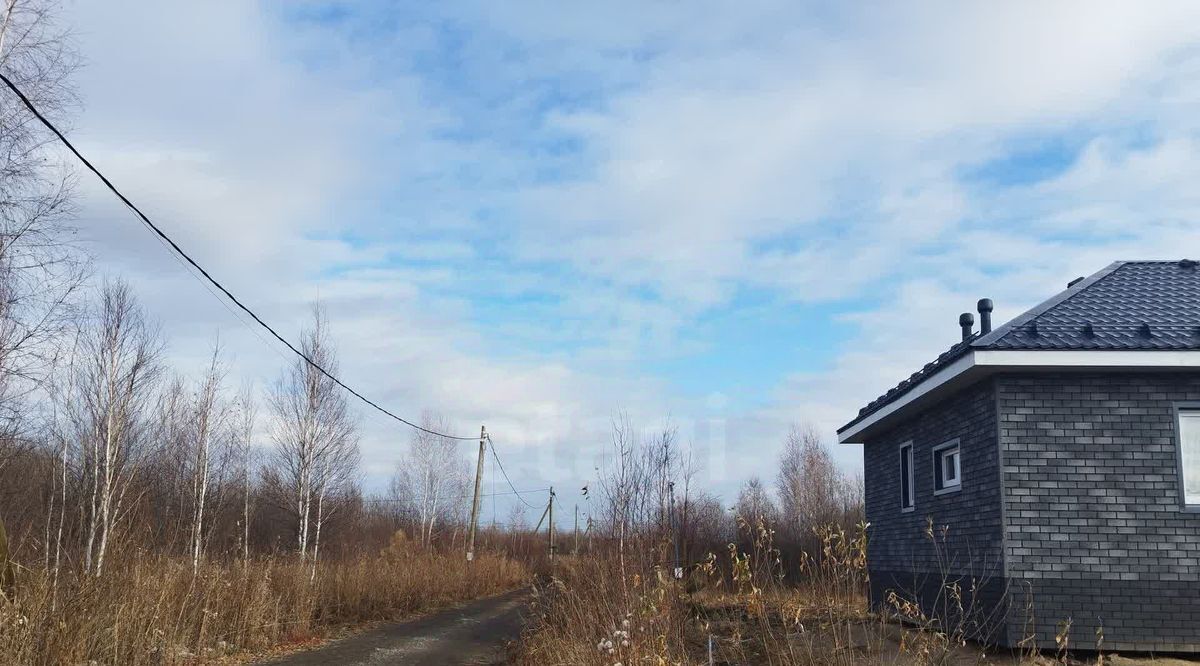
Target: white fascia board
[
  {"x": 990, "y": 361},
  {"x": 1049, "y": 359},
  {"x": 930, "y": 383}
]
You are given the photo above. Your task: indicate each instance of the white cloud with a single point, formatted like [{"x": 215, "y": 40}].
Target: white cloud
[{"x": 822, "y": 155}]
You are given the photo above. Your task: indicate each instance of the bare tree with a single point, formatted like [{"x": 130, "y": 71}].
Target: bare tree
[
  {"x": 209, "y": 448},
  {"x": 112, "y": 381},
  {"x": 432, "y": 479},
  {"x": 620, "y": 486},
  {"x": 316, "y": 446},
  {"x": 40, "y": 268},
  {"x": 812, "y": 491},
  {"x": 247, "y": 412},
  {"x": 754, "y": 504},
  {"x": 640, "y": 481}
]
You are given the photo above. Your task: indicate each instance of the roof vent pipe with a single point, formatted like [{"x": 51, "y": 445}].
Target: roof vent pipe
[
  {"x": 985, "y": 316},
  {"x": 966, "y": 320}
]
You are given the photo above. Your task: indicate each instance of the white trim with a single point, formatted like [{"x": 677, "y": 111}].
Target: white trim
[
  {"x": 1092, "y": 358},
  {"x": 1182, "y": 410},
  {"x": 937, "y": 467},
  {"x": 912, "y": 478},
  {"x": 998, "y": 360},
  {"x": 937, "y": 379}
]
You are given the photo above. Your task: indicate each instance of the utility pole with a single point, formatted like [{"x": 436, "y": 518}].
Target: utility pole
[
  {"x": 475, "y": 503},
  {"x": 576, "y": 550},
  {"x": 678, "y": 572},
  {"x": 550, "y": 527}
]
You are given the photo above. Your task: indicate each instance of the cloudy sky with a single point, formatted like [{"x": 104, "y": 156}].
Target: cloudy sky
[{"x": 535, "y": 216}]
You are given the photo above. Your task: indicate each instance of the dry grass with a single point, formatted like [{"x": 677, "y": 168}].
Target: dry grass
[
  {"x": 588, "y": 614},
  {"x": 591, "y": 614},
  {"x": 153, "y": 609}
]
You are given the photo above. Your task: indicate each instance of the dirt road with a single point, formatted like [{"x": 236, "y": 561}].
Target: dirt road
[{"x": 474, "y": 633}]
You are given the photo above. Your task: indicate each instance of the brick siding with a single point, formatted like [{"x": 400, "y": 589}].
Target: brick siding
[
  {"x": 902, "y": 558},
  {"x": 1094, "y": 528}
]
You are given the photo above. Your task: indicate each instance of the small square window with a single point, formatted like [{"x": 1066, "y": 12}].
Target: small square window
[
  {"x": 947, "y": 468},
  {"x": 907, "y": 491}
]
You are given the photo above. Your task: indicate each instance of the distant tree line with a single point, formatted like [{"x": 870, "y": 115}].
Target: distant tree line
[{"x": 651, "y": 511}]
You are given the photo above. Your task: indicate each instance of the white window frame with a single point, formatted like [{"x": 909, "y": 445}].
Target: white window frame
[
  {"x": 906, "y": 454},
  {"x": 1192, "y": 411},
  {"x": 955, "y": 485}
]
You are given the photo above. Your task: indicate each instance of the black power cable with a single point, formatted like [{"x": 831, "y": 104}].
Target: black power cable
[
  {"x": 174, "y": 246},
  {"x": 501, "y": 466},
  {"x": 518, "y": 493}
]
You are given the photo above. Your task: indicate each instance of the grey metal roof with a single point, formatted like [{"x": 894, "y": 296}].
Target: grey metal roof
[{"x": 1129, "y": 305}]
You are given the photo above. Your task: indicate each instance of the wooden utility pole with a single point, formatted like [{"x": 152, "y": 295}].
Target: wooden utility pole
[
  {"x": 475, "y": 503},
  {"x": 677, "y": 571},
  {"x": 576, "y": 550},
  {"x": 550, "y": 527}
]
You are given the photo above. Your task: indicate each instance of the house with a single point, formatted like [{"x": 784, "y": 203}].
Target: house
[{"x": 1057, "y": 459}]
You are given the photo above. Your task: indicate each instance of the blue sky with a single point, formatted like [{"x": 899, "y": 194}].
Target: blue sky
[{"x": 537, "y": 216}]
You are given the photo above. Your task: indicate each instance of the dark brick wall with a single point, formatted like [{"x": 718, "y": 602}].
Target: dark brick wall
[
  {"x": 901, "y": 556},
  {"x": 1094, "y": 527}
]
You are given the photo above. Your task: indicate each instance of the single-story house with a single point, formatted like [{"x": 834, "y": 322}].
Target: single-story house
[{"x": 1057, "y": 459}]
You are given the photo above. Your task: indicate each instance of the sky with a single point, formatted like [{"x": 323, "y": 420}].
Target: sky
[{"x": 541, "y": 216}]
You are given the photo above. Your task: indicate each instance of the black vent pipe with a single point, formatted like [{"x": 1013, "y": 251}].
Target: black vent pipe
[
  {"x": 985, "y": 316},
  {"x": 966, "y": 320}
]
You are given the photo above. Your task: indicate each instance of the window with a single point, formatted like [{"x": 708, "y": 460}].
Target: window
[
  {"x": 947, "y": 470},
  {"x": 1189, "y": 454},
  {"x": 907, "y": 493}
]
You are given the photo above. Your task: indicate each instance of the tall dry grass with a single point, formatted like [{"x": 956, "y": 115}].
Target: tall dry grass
[
  {"x": 154, "y": 610},
  {"x": 590, "y": 614},
  {"x": 747, "y": 608}
]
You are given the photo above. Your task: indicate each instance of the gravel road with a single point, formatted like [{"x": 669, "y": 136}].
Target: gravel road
[{"x": 474, "y": 633}]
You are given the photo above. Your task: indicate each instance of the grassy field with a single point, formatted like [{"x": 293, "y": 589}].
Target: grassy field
[{"x": 155, "y": 610}]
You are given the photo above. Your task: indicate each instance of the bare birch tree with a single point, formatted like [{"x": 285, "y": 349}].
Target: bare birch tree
[
  {"x": 209, "y": 439},
  {"x": 114, "y": 375},
  {"x": 316, "y": 445},
  {"x": 432, "y": 479},
  {"x": 247, "y": 413}
]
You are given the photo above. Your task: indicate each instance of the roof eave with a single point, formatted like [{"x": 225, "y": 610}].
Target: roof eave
[
  {"x": 928, "y": 389},
  {"x": 981, "y": 363}
]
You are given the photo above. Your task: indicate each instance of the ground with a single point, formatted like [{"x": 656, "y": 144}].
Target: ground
[
  {"x": 474, "y": 633},
  {"x": 854, "y": 640},
  {"x": 479, "y": 632}
]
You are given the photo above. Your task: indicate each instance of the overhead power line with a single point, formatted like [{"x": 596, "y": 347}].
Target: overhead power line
[
  {"x": 501, "y": 466},
  {"x": 503, "y": 493},
  {"x": 175, "y": 246}
]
